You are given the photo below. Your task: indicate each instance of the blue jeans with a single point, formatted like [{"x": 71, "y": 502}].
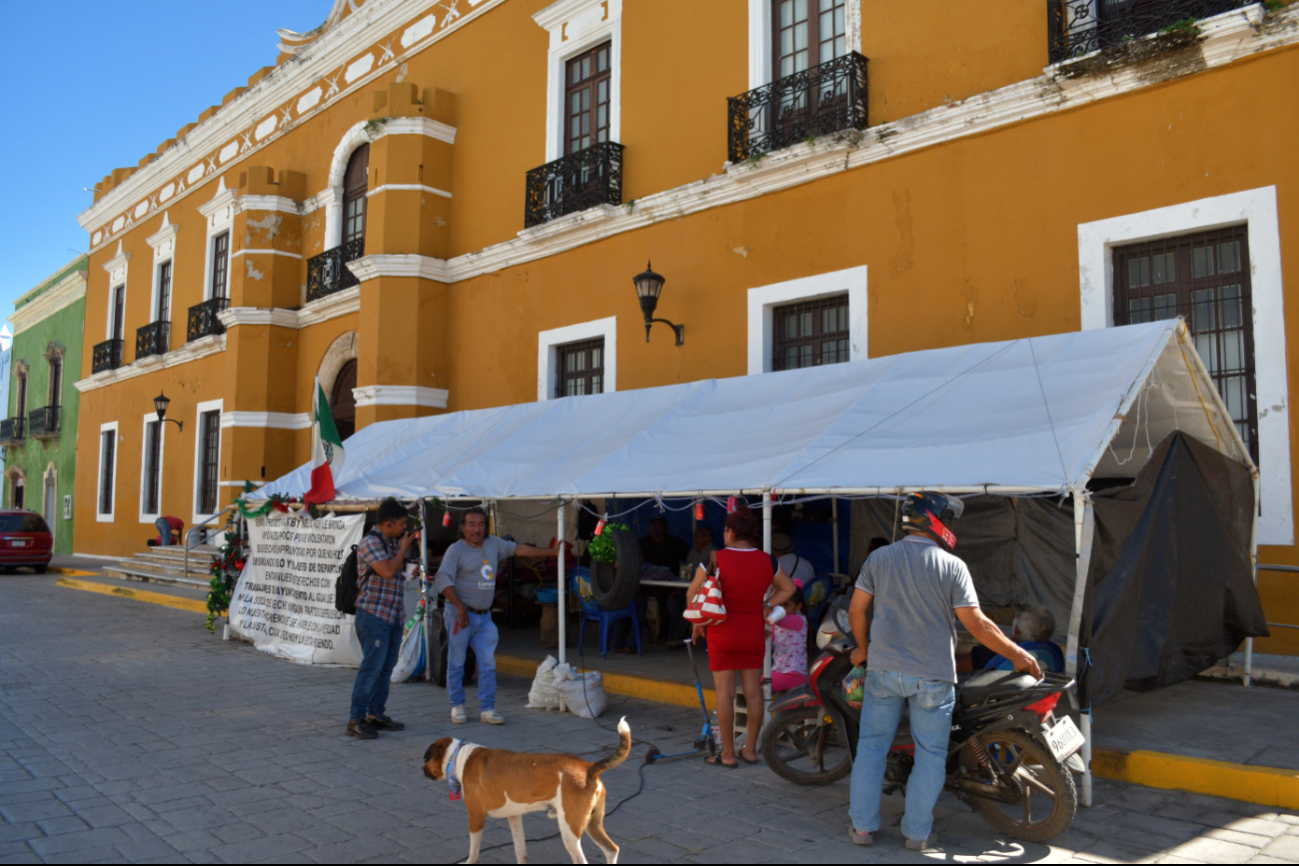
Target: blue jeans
[
  {"x": 380, "y": 646},
  {"x": 482, "y": 636},
  {"x": 930, "y": 703}
]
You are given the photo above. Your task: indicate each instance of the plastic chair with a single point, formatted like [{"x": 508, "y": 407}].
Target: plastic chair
[{"x": 593, "y": 612}]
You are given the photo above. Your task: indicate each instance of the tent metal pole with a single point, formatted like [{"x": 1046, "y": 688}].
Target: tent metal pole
[
  {"x": 766, "y": 656},
  {"x": 563, "y": 600},
  {"x": 1084, "y": 532},
  {"x": 1247, "y": 679},
  {"x": 423, "y": 591},
  {"x": 834, "y": 529}
]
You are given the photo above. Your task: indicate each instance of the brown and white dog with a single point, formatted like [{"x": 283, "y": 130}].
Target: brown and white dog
[{"x": 502, "y": 784}]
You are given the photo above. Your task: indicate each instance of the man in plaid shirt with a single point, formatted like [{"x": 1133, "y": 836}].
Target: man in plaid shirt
[{"x": 380, "y": 612}]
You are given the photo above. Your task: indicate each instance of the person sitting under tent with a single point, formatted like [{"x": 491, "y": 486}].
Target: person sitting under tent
[{"x": 1034, "y": 626}]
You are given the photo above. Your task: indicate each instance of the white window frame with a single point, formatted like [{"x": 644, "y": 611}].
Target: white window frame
[
  {"x": 151, "y": 417},
  {"x": 208, "y": 406},
  {"x": 164, "y": 251},
  {"x": 118, "y": 269},
  {"x": 764, "y": 299},
  {"x": 760, "y": 36},
  {"x": 548, "y": 343},
  {"x": 110, "y": 516},
  {"x": 220, "y": 216},
  {"x": 577, "y": 26},
  {"x": 1257, "y": 210}
]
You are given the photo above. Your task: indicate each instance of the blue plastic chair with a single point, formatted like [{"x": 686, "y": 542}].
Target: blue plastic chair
[{"x": 593, "y": 612}]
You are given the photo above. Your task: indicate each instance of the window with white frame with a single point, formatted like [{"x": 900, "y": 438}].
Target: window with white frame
[
  {"x": 151, "y": 469},
  {"x": 577, "y": 29},
  {"x": 808, "y": 322},
  {"x": 578, "y": 359},
  {"x": 207, "y": 460},
  {"x": 106, "y": 499}
]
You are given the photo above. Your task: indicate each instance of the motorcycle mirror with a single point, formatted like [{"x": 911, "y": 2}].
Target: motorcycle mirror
[{"x": 841, "y": 619}]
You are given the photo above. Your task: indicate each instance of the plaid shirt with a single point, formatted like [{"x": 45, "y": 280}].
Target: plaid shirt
[{"x": 384, "y": 597}]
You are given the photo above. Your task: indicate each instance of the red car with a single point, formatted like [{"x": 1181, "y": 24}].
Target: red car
[{"x": 24, "y": 540}]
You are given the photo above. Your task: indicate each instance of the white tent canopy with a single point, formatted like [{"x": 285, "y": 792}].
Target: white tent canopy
[{"x": 1039, "y": 414}]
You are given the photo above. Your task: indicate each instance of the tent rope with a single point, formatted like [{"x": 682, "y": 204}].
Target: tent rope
[{"x": 1064, "y": 473}]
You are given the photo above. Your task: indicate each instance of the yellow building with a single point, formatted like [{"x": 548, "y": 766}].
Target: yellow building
[{"x": 440, "y": 206}]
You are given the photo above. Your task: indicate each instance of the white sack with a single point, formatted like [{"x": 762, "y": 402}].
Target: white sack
[{"x": 543, "y": 695}]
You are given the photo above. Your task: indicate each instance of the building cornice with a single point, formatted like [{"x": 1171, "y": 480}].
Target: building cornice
[
  {"x": 64, "y": 293},
  {"x": 368, "y": 267},
  {"x": 267, "y": 420},
  {"x": 333, "y": 306},
  {"x": 401, "y": 395},
  {"x": 274, "y": 203},
  {"x": 201, "y": 348}
]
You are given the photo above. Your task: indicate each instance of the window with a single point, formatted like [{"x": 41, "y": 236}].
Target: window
[
  {"x": 1204, "y": 278},
  {"x": 342, "y": 403},
  {"x": 163, "y": 313},
  {"x": 355, "y": 186},
  {"x": 810, "y": 334},
  {"x": 107, "y": 466},
  {"x": 220, "y": 264},
  {"x": 150, "y": 483},
  {"x": 209, "y": 461},
  {"x": 56, "y": 382},
  {"x": 118, "y": 313},
  {"x": 20, "y": 488},
  {"x": 581, "y": 368},
  {"x": 586, "y": 99},
  {"x": 21, "y": 403},
  {"x": 22, "y": 522},
  {"x": 807, "y": 33}
]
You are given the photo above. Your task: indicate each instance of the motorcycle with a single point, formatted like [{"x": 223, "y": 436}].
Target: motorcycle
[{"x": 1010, "y": 759}]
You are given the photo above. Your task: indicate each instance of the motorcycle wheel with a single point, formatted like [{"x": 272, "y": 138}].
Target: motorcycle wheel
[
  {"x": 1041, "y": 797},
  {"x": 799, "y": 750}
]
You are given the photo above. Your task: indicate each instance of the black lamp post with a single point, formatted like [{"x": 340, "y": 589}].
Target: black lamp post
[
  {"x": 648, "y": 287},
  {"x": 160, "y": 403}
]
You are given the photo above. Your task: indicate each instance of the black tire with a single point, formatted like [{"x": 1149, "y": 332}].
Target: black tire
[
  {"x": 40, "y": 569},
  {"x": 1029, "y": 756},
  {"x": 615, "y": 584},
  {"x": 788, "y": 740}
]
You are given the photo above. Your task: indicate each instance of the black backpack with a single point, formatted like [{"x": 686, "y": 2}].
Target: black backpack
[{"x": 346, "y": 587}]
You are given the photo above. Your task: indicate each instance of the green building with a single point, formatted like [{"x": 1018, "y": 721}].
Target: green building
[{"x": 39, "y": 432}]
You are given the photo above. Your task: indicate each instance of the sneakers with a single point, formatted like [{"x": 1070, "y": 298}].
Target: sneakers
[
  {"x": 361, "y": 730},
  {"x": 491, "y": 717},
  {"x": 922, "y": 844},
  {"x": 458, "y": 715},
  {"x": 858, "y": 838},
  {"x": 383, "y": 723}
]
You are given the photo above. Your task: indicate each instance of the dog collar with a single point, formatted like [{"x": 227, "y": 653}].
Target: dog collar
[{"x": 451, "y": 771}]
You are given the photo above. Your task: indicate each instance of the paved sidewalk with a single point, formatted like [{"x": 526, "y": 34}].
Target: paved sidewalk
[{"x": 129, "y": 733}]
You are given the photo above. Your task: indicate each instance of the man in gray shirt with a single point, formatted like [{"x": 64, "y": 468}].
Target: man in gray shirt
[
  {"x": 467, "y": 578},
  {"x": 919, "y": 590}
]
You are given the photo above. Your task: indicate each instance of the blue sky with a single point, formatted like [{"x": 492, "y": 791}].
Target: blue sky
[{"x": 91, "y": 86}]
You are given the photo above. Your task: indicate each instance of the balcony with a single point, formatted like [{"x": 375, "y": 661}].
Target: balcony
[
  {"x": 106, "y": 356},
  {"x": 1078, "y": 27},
  {"x": 12, "y": 431},
  {"x": 203, "y": 321},
  {"x": 153, "y": 339},
  {"x": 574, "y": 183},
  {"x": 327, "y": 273},
  {"x": 44, "y": 423},
  {"x": 820, "y": 101}
]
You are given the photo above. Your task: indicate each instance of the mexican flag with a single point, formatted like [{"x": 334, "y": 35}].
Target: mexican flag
[{"x": 326, "y": 450}]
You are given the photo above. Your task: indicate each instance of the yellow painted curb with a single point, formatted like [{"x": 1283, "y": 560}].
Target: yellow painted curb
[
  {"x": 1266, "y": 786},
  {"x": 678, "y": 694},
  {"x": 178, "y": 602},
  {"x": 72, "y": 572}
]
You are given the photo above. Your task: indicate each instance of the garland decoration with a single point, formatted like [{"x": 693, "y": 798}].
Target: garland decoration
[
  {"x": 277, "y": 502},
  {"x": 226, "y": 569},
  {"x": 602, "y": 548}
]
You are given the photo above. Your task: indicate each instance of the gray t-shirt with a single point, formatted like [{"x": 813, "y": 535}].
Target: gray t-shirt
[
  {"x": 472, "y": 570},
  {"x": 917, "y": 586}
]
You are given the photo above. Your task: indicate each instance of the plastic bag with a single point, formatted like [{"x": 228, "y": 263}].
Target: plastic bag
[
  {"x": 582, "y": 693},
  {"x": 543, "y": 695},
  {"x": 410, "y": 661},
  {"x": 854, "y": 687}
]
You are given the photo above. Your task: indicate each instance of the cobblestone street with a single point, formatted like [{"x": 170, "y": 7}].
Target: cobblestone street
[{"x": 127, "y": 733}]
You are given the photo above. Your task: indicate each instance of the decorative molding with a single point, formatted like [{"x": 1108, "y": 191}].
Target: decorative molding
[
  {"x": 247, "y": 252},
  {"x": 272, "y": 203},
  {"x": 166, "y": 234},
  {"x": 64, "y": 293},
  {"x": 329, "y": 307},
  {"x": 185, "y": 354},
  {"x": 215, "y": 210},
  {"x": 399, "y": 265},
  {"x": 267, "y": 420},
  {"x": 408, "y": 187},
  {"x": 401, "y": 395},
  {"x": 116, "y": 266}
]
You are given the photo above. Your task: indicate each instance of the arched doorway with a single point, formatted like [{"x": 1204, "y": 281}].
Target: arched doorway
[
  {"x": 355, "y": 185},
  {"x": 342, "y": 403},
  {"x": 17, "y": 494}
]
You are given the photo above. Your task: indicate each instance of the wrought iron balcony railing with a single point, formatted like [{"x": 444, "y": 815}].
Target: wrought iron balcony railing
[
  {"x": 203, "y": 321},
  {"x": 106, "y": 356},
  {"x": 574, "y": 183},
  {"x": 44, "y": 423},
  {"x": 11, "y": 431},
  {"x": 819, "y": 101},
  {"x": 153, "y": 339},
  {"x": 1078, "y": 27},
  {"x": 327, "y": 273}
]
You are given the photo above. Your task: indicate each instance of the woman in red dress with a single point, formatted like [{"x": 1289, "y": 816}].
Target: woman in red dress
[{"x": 739, "y": 644}]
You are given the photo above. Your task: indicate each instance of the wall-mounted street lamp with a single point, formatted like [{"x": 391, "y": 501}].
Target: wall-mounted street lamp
[
  {"x": 161, "y": 403},
  {"x": 648, "y": 287}
]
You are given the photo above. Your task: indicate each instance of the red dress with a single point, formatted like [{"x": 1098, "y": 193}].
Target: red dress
[{"x": 740, "y": 643}]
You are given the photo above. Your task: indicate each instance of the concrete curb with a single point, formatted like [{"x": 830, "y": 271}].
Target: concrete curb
[
  {"x": 1266, "y": 786},
  {"x": 189, "y": 604},
  {"x": 72, "y": 572},
  {"x": 677, "y": 694}
]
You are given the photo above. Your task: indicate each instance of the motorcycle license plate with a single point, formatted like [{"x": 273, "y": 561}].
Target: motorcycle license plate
[{"x": 1064, "y": 738}]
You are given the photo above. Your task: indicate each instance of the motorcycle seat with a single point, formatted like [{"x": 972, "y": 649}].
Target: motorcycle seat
[{"x": 984, "y": 684}]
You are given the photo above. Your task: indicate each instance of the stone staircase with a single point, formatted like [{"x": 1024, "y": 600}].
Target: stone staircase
[{"x": 167, "y": 565}]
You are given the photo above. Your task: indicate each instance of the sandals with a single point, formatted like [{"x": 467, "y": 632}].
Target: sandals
[
  {"x": 716, "y": 761},
  {"x": 752, "y": 763}
]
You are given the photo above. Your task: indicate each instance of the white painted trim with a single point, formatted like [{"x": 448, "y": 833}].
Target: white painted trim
[
  {"x": 144, "y": 461},
  {"x": 760, "y": 37},
  {"x": 60, "y": 296},
  {"x": 118, "y": 268},
  {"x": 246, "y": 252},
  {"x": 324, "y": 309},
  {"x": 183, "y": 354},
  {"x": 576, "y": 26},
  {"x": 1256, "y": 209},
  {"x": 398, "y": 265},
  {"x": 407, "y": 187},
  {"x": 206, "y": 406},
  {"x": 764, "y": 299},
  {"x": 270, "y": 203},
  {"x": 548, "y": 343},
  {"x": 267, "y": 420},
  {"x": 164, "y": 251},
  {"x": 99, "y": 469},
  {"x": 401, "y": 395}
]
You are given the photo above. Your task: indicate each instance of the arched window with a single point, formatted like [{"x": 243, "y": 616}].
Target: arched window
[
  {"x": 355, "y": 186},
  {"x": 342, "y": 403}
]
